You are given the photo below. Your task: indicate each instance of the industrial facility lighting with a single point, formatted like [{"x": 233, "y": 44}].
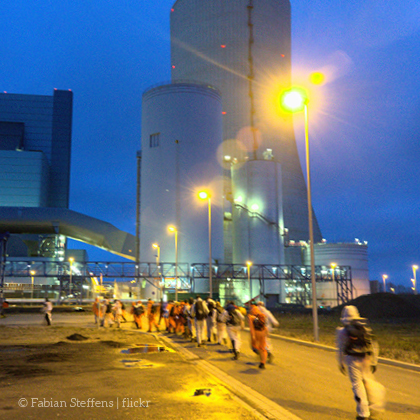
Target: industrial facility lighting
[
  {"x": 317, "y": 78},
  {"x": 32, "y": 273},
  {"x": 255, "y": 207},
  {"x": 71, "y": 260},
  {"x": 173, "y": 229},
  {"x": 415, "y": 267},
  {"x": 384, "y": 277},
  {"x": 238, "y": 199},
  {"x": 227, "y": 158},
  {"x": 248, "y": 264},
  {"x": 295, "y": 100},
  {"x": 205, "y": 195}
]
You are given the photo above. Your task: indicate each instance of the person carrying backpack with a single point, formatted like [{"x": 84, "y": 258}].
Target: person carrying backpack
[
  {"x": 221, "y": 325},
  {"x": 137, "y": 311},
  {"x": 258, "y": 329},
  {"x": 233, "y": 319},
  {"x": 358, "y": 350},
  {"x": 211, "y": 320},
  {"x": 199, "y": 312}
]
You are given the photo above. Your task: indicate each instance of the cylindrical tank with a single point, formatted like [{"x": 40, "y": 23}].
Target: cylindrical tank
[
  {"x": 181, "y": 130},
  {"x": 228, "y": 44},
  {"x": 257, "y": 213},
  {"x": 342, "y": 254}
]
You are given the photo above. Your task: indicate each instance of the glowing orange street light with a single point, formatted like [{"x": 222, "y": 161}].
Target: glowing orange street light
[
  {"x": 296, "y": 100},
  {"x": 205, "y": 195}
]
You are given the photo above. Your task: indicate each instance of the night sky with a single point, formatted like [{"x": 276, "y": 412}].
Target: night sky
[{"x": 364, "y": 134}]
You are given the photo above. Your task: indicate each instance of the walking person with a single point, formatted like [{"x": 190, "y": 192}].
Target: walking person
[
  {"x": 96, "y": 310},
  {"x": 270, "y": 322},
  {"x": 357, "y": 351},
  {"x": 220, "y": 324},
  {"x": 137, "y": 311},
  {"x": 118, "y": 313},
  {"x": 233, "y": 318},
  {"x": 199, "y": 312},
  {"x": 211, "y": 320},
  {"x": 190, "y": 320},
  {"x": 106, "y": 311},
  {"x": 258, "y": 329},
  {"x": 47, "y": 309},
  {"x": 151, "y": 314}
]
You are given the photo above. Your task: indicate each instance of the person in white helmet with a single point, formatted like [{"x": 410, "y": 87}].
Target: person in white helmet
[{"x": 357, "y": 352}]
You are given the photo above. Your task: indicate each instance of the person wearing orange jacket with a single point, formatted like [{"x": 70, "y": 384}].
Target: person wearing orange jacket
[
  {"x": 258, "y": 329},
  {"x": 96, "y": 310},
  {"x": 137, "y": 311}
]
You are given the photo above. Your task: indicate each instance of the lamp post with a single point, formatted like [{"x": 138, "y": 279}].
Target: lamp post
[
  {"x": 157, "y": 247},
  {"x": 384, "y": 277},
  {"x": 71, "y": 259},
  {"x": 248, "y": 269},
  {"x": 173, "y": 229},
  {"x": 415, "y": 267},
  {"x": 296, "y": 100},
  {"x": 333, "y": 267},
  {"x": 32, "y": 273},
  {"x": 204, "y": 195}
]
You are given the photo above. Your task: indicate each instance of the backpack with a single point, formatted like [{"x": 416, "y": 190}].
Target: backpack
[
  {"x": 360, "y": 339},
  {"x": 199, "y": 311},
  {"x": 108, "y": 308},
  {"x": 259, "y": 322},
  {"x": 233, "y": 318},
  {"x": 139, "y": 310}
]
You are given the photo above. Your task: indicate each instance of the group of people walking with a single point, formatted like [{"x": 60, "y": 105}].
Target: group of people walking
[{"x": 207, "y": 321}]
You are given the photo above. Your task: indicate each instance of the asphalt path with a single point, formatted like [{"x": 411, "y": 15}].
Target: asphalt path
[
  {"x": 306, "y": 381},
  {"x": 303, "y": 380}
]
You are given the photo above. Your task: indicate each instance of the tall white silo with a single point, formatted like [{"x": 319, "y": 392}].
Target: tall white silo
[
  {"x": 244, "y": 49},
  {"x": 181, "y": 130}
]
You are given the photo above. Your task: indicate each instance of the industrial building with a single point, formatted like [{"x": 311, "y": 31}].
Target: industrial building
[{"x": 217, "y": 125}]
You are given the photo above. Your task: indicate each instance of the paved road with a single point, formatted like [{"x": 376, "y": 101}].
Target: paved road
[
  {"x": 306, "y": 381},
  {"x": 302, "y": 379}
]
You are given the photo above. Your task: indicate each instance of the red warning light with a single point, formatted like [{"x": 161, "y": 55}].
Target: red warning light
[
  {"x": 223, "y": 46},
  {"x": 223, "y": 112},
  {"x": 173, "y": 67},
  {"x": 282, "y": 55},
  {"x": 172, "y": 10}
]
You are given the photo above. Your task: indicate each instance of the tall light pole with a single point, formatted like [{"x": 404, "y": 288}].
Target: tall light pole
[
  {"x": 32, "y": 273},
  {"x": 248, "y": 269},
  {"x": 333, "y": 267},
  {"x": 204, "y": 195},
  {"x": 71, "y": 259},
  {"x": 173, "y": 229},
  {"x": 296, "y": 100},
  {"x": 157, "y": 247},
  {"x": 384, "y": 277},
  {"x": 415, "y": 267}
]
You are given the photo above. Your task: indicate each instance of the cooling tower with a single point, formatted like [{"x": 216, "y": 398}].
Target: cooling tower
[
  {"x": 243, "y": 48},
  {"x": 181, "y": 129}
]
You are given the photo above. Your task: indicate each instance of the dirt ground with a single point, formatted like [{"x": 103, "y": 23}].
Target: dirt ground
[{"x": 45, "y": 374}]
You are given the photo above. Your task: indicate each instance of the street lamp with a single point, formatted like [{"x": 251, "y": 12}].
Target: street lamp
[
  {"x": 384, "y": 277},
  {"x": 32, "y": 273},
  {"x": 71, "y": 259},
  {"x": 296, "y": 100},
  {"x": 248, "y": 265},
  {"x": 333, "y": 267},
  {"x": 204, "y": 195},
  {"x": 415, "y": 267},
  {"x": 157, "y": 247},
  {"x": 173, "y": 229}
]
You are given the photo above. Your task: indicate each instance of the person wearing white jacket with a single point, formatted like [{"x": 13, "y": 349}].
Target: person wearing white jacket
[{"x": 357, "y": 350}]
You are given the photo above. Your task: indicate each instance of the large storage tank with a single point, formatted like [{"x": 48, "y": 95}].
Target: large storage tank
[
  {"x": 342, "y": 254},
  {"x": 211, "y": 41},
  {"x": 181, "y": 130}
]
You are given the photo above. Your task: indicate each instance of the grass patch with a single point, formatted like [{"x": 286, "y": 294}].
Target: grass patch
[{"x": 398, "y": 339}]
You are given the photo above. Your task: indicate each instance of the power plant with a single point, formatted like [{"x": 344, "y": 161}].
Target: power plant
[{"x": 217, "y": 126}]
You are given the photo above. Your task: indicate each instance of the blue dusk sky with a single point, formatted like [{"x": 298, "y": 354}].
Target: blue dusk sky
[{"x": 365, "y": 147}]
